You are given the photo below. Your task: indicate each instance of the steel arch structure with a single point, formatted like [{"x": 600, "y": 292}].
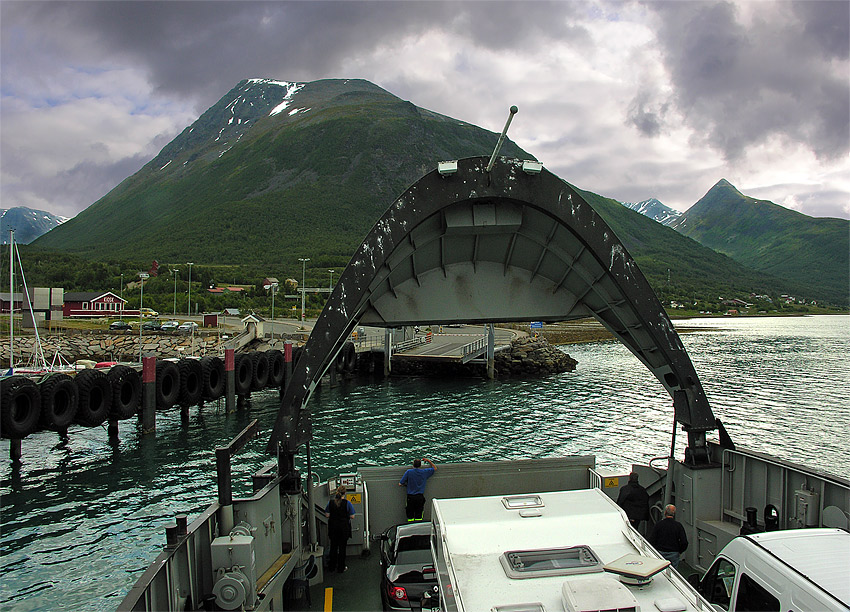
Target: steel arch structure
[{"x": 484, "y": 247}]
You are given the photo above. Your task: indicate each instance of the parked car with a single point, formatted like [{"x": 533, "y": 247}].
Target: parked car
[
  {"x": 152, "y": 325},
  {"x": 188, "y": 327},
  {"x": 169, "y": 326},
  {"x": 148, "y": 312},
  {"x": 407, "y": 568},
  {"x": 119, "y": 325}
]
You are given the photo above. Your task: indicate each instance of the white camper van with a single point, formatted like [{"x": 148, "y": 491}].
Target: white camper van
[
  {"x": 567, "y": 551},
  {"x": 795, "y": 570}
]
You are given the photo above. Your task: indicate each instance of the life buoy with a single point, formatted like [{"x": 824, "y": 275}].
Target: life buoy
[
  {"x": 59, "y": 397},
  {"x": 167, "y": 384},
  {"x": 21, "y": 407},
  {"x": 212, "y": 378},
  {"x": 126, "y": 385},
  {"x": 95, "y": 398},
  {"x": 277, "y": 368},
  {"x": 244, "y": 373},
  {"x": 350, "y": 357},
  {"x": 260, "y": 374},
  {"x": 191, "y": 382}
]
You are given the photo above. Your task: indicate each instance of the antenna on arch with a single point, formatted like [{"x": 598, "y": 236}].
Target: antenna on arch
[{"x": 514, "y": 111}]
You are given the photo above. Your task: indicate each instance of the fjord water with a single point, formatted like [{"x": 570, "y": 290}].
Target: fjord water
[{"x": 81, "y": 519}]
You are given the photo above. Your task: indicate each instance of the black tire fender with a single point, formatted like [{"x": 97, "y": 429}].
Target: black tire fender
[
  {"x": 260, "y": 367},
  {"x": 167, "y": 384},
  {"x": 277, "y": 368},
  {"x": 59, "y": 399},
  {"x": 350, "y": 357},
  {"x": 212, "y": 378},
  {"x": 126, "y": 387},
  {"x": 20, "y": 407},
  {"x": 244, "y": 373},
  {"x": 191, "y": 381},
  {"x": 95, "y": 398}
]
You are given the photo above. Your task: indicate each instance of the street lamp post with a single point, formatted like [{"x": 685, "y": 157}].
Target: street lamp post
[
  {"x": 190, "y": 264},
  {"x": 174, "y": 274},
  {"x": 303, "y": 261},
  {"x": 331, "y": 283},
  {"x": 143, "y": 276},
  {"x": 274, "y": 288},
  {"x": 121, "y": 316}
]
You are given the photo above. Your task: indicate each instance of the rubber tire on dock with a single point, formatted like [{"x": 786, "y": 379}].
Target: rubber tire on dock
[
  {"x": 244, "y": 373},
  {"x": 260, "y": 367},
  {"x": 126, "y": 387},
  {"x": 277, "y": 368},
  {"x": 212, "y": 378},
  {"x": 167, "y": 384},
  {"x": 20, "y": 407},
  {"x": 59, "y": 399},
  {"x": 95, "y": 398},
  {"x": 191, "y": 382},
  {"x": 350, "y": 357}
]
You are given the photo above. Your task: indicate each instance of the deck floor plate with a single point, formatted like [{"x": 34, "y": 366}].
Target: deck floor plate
[{"x": 356, "y": 590}]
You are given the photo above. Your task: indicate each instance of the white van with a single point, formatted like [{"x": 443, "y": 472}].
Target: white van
[{"x": 794, "y": 570}]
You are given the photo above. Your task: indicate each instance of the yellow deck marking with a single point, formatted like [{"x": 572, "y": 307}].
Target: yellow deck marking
[{"x": 329, "y": 599}]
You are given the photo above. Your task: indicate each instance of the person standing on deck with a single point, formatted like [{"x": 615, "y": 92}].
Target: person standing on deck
[
  {"x": 339, "y": 512},
  {"x": 414, "y": 479},
  {"x": 668, "y": 537},
  {"x": 634, "y": 499}
]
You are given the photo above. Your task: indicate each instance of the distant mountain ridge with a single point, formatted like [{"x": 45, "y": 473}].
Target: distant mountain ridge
[
  {"x": 28, "y": 223},
  {"x": 655, "y": 210},
  {"x": 810, "y": 251},
  {"x": 276, "y": 171}
]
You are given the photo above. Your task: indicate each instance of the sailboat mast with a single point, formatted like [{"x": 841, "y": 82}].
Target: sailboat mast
[{"x": 11, "y": 297}]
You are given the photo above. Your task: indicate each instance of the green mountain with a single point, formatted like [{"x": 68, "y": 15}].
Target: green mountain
[
  {"x": 272, "y": 172},
  {"x": 275, "y": 171},
  {"x": 810, "y": 253}
]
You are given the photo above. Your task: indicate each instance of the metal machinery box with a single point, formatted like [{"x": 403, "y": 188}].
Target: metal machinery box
[{"x": 234, "y": 564}]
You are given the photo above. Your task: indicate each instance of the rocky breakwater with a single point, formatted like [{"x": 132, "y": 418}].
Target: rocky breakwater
[
  {"x": 106, "y": 346},
  {"x": 532, "y": 356}
]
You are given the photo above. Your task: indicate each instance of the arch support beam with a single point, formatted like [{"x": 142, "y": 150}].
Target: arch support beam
[{"x": 488, "y": 247}]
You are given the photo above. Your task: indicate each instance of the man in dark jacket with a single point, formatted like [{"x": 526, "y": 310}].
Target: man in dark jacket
[
  {"x": 634, "y": 499},
  {"x": 668, "y": 537}
]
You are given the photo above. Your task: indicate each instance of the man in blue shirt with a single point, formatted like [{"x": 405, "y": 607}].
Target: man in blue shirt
[{"x": 414, "y": 479}]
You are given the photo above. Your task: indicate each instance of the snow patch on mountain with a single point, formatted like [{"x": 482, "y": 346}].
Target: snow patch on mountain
[{"x": 655, "y": 210}]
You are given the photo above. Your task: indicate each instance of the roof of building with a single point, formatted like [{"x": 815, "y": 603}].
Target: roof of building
[{"x": 88, "y": 296}]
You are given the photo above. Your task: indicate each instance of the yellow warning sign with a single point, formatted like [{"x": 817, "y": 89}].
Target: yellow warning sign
[
  {"x": 612, "y": 482},
  {"x": 354, "y": 498}
]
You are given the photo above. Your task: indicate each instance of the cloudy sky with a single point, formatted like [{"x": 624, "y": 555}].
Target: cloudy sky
[{"x": 631, "y": 100}]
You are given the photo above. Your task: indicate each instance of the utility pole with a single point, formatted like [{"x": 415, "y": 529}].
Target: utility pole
[
  {"x": 143, "y": 276},
  {"x": 303, "y": 261},
  {"x": 190, "y": 264}
]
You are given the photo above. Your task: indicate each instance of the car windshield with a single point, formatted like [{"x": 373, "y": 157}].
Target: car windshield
[
  {"x": 414, "y": 557},
  {"x": 414, "y": 549}
]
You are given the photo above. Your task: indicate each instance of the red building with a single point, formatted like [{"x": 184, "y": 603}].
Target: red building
[{"x": 95, "y": 304}]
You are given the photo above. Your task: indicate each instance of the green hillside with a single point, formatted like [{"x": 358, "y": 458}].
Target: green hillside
[
  {"x": 277, "y": 171},
  {"x": 662, "y": 254},
  {"x": 811, "y": 254},
  {"x": 268, "y": 189}
]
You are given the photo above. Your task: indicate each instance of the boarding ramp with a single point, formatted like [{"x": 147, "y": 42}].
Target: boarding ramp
[{"x": 385, "y": 500}]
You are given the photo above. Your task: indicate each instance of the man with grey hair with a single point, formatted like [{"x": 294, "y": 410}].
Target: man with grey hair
[{"x": 668, "y": 537}]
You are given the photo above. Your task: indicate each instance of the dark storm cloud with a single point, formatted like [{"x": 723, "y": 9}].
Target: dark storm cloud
[
  {"x": 199, "y": 50},
  {"x": 745, "y": 85}
]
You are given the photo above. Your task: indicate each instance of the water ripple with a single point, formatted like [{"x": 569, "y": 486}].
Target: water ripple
[{"x": 81, "y": 519}]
